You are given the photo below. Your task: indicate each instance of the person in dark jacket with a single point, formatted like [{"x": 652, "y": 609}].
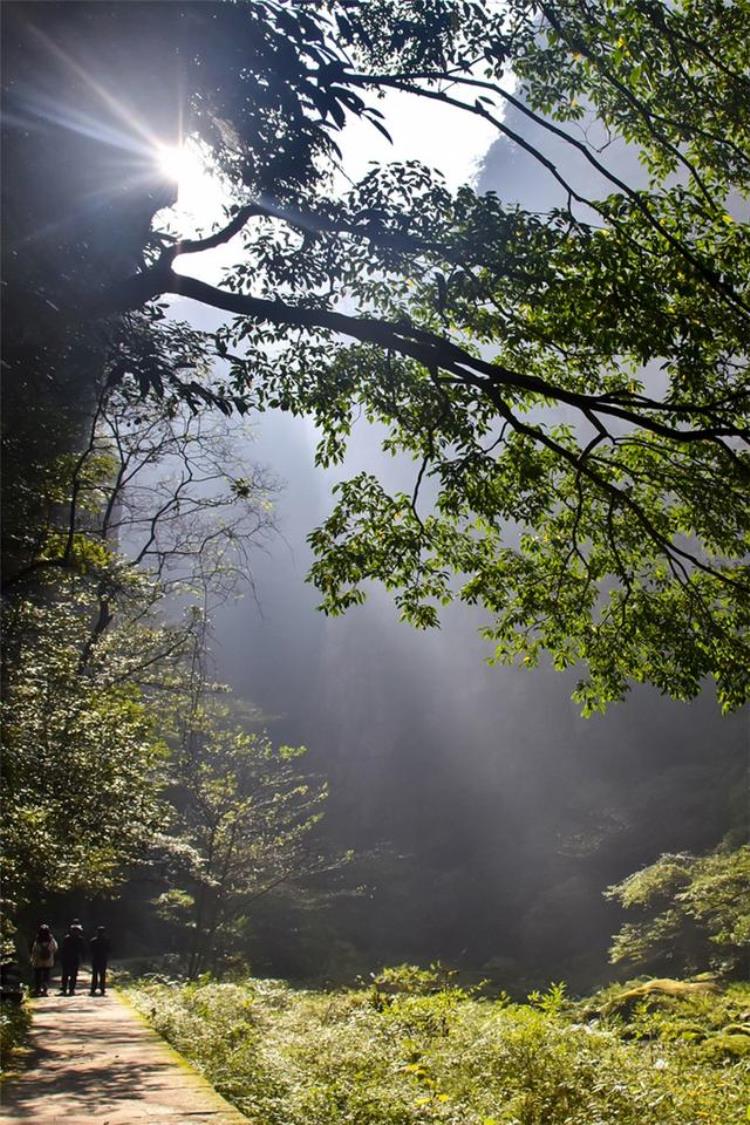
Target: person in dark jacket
[
  {"x": 72, "y": 951},
  {"x": 99, "y": 946}
]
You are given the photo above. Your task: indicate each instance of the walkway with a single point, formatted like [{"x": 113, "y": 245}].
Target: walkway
[{"x": 92, "y": 1059}]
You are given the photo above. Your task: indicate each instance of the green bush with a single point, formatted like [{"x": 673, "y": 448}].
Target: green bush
[
  {"x": 15, "y": 1020},
  {"x": 694, "y": 912},
  {"x": 365, "y": 1057}
]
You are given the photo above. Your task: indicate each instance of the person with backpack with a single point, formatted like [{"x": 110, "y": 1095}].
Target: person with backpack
[
  {"x": 42, "y": 959},
  {"x": 72, "y": 950},
  {"x": 99, "y": 946}
]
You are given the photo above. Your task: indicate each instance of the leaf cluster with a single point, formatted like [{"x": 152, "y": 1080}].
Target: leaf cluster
[
  {"x": 694, "y": 911},
  {"x": 570, "y": 386}
]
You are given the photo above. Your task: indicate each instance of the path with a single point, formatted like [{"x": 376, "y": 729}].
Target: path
[{"x": 92, "y": 1059}]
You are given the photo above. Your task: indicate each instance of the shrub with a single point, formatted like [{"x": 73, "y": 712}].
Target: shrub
[
  {"x": 15, "y": 1020},
  {"x": 297, "y": 1057}
]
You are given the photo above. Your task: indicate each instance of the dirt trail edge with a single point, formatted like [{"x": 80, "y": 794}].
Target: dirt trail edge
[{"x": 93, "y": 1059}]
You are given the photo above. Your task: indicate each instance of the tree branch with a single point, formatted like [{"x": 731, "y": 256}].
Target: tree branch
[{"x": 407, "y": 339}]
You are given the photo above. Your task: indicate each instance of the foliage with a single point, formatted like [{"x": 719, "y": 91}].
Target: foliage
[
  {"x": 82, "y": 754},
  {"x": 695, "y": 911},
  {"x": 15, "y": 1021},
  {"x": 156, "y": 486},
  {"x": 117, "y": 750},
  {"x": 695, "y": 1012},
  {"x": 243, "y": 814},
  {"x": 413, "y": 979},
  {"x": 313, "y": 1057},
  {"x": 151, "y": 504},
  {"x": 571, "y": 385}
]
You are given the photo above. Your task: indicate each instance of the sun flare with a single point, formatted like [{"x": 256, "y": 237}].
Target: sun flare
[
  {"x": 198, "y": 189},
  {"x": 180, "y": 164}
]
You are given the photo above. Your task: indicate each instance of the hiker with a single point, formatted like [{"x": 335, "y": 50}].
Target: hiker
[
  {"x": 42, "y": 959},
  {"x": 72, "y": 951},
  {"x": 99, "y": 946}
]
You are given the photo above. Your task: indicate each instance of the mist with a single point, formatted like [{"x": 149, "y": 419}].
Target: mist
[
  {"x": 505, "y": 813},
  {"x": 488, "y": 816}
]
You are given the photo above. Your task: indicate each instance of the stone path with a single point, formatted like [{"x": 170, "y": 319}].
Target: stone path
[{"x": 92, "y": 1059}]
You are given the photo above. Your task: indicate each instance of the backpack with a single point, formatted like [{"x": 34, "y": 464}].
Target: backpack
[{"x": 44, "y": 950}]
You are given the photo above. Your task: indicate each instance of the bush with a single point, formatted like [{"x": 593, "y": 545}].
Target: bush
[
  {"x": 694, "y": 912},
  {"x": 15, "y": 1020},
  {"x": 432, "y": 1053}
]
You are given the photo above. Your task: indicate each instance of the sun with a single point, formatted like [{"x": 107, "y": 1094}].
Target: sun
[
  {"x": 198, "y": 190},
  {"x": 180, "y": 163}
]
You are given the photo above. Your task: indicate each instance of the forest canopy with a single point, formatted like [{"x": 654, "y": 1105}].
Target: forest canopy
[{"x": 571, "y": 385}]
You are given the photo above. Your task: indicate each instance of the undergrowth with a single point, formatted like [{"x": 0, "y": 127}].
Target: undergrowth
[
  {"x": 15, "y": 1020},
  {"x": 412, "y": 1048}
]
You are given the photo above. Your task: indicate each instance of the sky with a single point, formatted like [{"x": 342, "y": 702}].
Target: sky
[{"x": 440, "y": 136}]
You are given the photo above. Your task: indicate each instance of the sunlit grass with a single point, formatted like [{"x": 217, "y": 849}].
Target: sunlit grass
[{"x": 371, "y": 1057}]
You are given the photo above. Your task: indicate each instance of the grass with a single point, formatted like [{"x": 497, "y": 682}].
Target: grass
[{"x": 412, "y": 1049}]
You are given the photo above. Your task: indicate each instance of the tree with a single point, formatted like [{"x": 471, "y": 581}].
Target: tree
[
  {"x": 695, "y": 912},
  {"x": 244, "y": 812},
  {"x": 573, "y": 385},
  {"x": 156, "y": 485},
  {"x": 153, "y": 514},
  {"x": 82, "y": 754}
]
